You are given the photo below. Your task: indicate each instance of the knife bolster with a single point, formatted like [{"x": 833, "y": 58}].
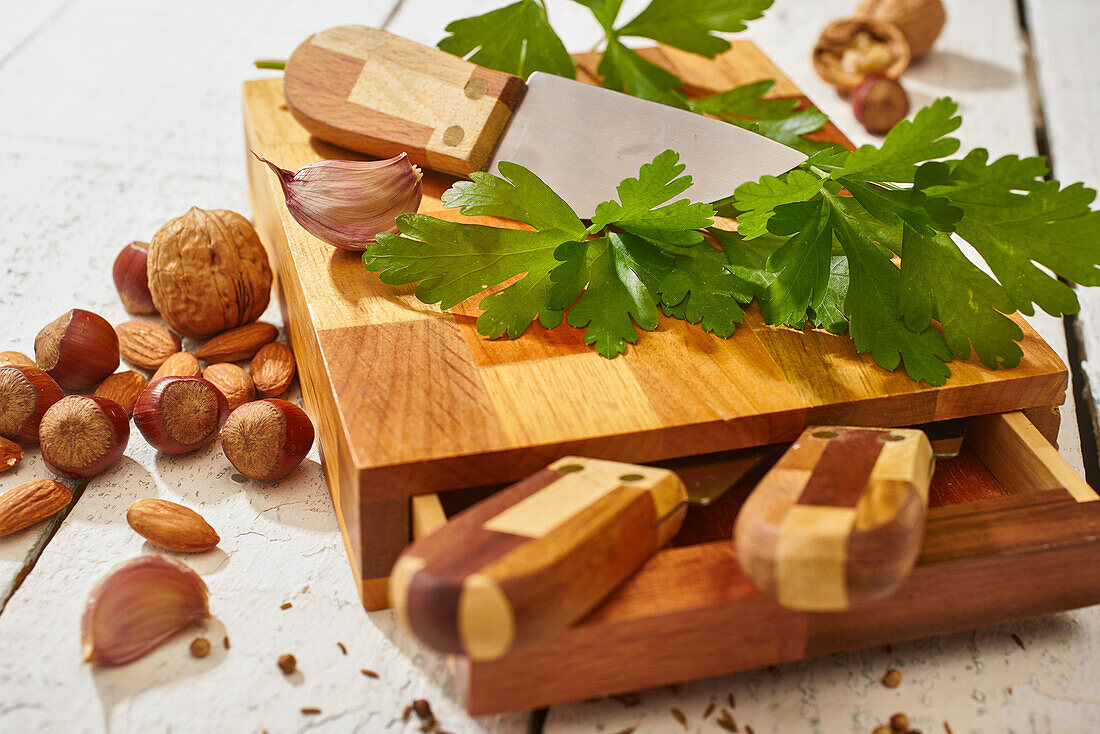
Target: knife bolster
[{"x": 381, "y": 94}]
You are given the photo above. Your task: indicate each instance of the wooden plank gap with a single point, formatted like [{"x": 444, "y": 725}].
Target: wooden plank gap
[
  {"x": 1088, "y": 426},
  {"x": 46, "y": 534}
]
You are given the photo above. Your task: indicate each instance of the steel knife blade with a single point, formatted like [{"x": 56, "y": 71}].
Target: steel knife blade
[{"x": 381, "y": 94}]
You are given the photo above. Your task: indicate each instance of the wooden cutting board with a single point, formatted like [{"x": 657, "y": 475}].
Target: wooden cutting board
[{"x": 409, "y": 400}]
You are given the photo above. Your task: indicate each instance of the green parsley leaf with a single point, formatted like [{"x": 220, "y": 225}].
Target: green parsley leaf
[
  {"x": 701, "y": 288},
  {"x": 927, "y": 215},
  {"x": 801, "y": 265},
  {"x": 516, "y": 39},
  {"x": 641, "y": 212},
  {"x": 910, "y": 142},
  {"x": 520, "y": 195},
  {"x": 689, "y": 24},
  {"x": 745, "y": 101},
  {"x": 606, "y": 11},
  {"x": 757, "y": 200},
  {"x": 1045, "y": 224},
  {"x": 624, "y": 70}
]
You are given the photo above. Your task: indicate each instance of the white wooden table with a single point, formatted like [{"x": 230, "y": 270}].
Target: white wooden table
[{"x": 119, "y": 114}]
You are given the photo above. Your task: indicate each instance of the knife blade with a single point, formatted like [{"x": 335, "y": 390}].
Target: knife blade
[{"x": 381, "y": 94}]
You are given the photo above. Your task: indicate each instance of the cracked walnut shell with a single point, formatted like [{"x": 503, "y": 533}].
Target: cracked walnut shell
[{"x": 208, "y": 272}]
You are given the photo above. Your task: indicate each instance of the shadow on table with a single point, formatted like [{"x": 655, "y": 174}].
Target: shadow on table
[
  {"x": 169, "y": 663},
  {"x": 952, "y": 70}
]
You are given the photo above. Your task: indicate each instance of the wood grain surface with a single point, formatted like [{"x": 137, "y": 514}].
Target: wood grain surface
[
  {"x": 411, "y": 400},
  {"x": 1022, "y": 552}
]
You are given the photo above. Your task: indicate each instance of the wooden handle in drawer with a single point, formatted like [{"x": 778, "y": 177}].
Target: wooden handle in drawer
[
  {"x": 535, "y": 557},
  {"x": 381, "y": 94},
  {"x": 839, "y": 520}
]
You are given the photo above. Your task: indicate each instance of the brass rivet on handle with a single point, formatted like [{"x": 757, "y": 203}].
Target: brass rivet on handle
[
  {"x": 824, "y": 434},
  {"x": 893, "y": 437},
  {"x": 453, "y": 135},
  {"x": 631, "y": 477},
  {"x": 569, "y": 468},
  {"x": 476, "y": 88}
]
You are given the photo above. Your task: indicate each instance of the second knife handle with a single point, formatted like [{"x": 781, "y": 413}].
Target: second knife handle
[
  {"x": 535, "y": 557},
  {"x": 381, "y": 94},
  {"x": 839, "y": 520}
]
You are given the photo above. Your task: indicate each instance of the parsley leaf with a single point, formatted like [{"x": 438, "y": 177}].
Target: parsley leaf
[
  {"x": 910, "y": 142},
  {"x": 641, "y": 212},
  {"x": 624, "y": 70},
  {"x": 606, "y": 11},
  {"x": 701, "y": 288},
  {"x": 516, "y": 39},
  {"x": 689, "y": 24}
]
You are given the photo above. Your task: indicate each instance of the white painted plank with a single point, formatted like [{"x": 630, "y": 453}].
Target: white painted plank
[
  {"x": 129, "y": 113},
  {"x": 1064, "y": 36},
  {"x": 963, "y": 679}
]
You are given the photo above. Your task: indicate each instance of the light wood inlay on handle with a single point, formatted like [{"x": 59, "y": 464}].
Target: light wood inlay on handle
[
  {"x": 535, "y": 557},
  {"x": 838, "y": 521},
  {"x": 381, "y": 94}
]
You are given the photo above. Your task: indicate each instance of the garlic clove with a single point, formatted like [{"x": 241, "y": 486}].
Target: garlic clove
[
  {"x": 347, "y": 203},
  {"x": 138, "y": 606}
]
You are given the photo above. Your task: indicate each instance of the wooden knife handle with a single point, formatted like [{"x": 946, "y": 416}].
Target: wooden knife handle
[
  {"x": 839, "y": 520},
  {"x": 381, "y": 94},
  {"x": 535, "y": 557}
]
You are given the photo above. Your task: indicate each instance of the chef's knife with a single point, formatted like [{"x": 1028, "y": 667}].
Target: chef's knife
[
  {"x": 381, "y": 94},
  {"x": 538, "y": 555}
]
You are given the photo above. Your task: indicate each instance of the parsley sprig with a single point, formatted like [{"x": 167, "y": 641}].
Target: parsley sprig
[
  {"x": 864, "y": 242},
  {"x": 519, "y": 39}
]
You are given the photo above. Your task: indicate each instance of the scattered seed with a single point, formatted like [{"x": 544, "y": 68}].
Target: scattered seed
[
  {"x": 725, "y": 720},
  {"x": 287, "y": 663},
  {"x": 368, "y": 672},
  {"x": 239, "y": 478},
  {"x": 310, "y": 710},
  {"x": 892, "y": 678},
  {"x": 900, "y": 722},
  {"x": 947, "y": 728},
  {"x": 342, "y": 648},
  {"x": 200, "y": 647},
  {"x": 1018, "y": 641},
  {"x": 709, "y": 711},
  {"x": 225, "y": 642},
  {"x": 285, "y": 605},
  {"x": 423, "y": 709},
  {"x": 1010, "y": 690},
  {"x": 748, "y": 729},
  {"x": 628, "y": 699},
  {"x": 627, "y": 730},
  {"x": 679, "y": 716},
  {"x": 673, "y": 689},
  {"x": 406, "y": 712}
]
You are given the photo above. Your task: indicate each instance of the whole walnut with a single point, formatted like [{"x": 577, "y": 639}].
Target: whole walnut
[{"x": 208, "y": 272}]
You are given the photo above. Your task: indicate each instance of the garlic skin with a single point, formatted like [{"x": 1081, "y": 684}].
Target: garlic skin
[
  {"x": 347, "y": 203},
  {"x": 138, "y": 606}
]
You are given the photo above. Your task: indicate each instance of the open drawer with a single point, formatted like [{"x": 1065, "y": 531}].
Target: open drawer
[{"x": 1012, "y": 532}]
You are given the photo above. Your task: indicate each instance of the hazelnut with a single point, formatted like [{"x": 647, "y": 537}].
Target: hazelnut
[
  {"x": 78, "y": 350},
  {"x": 177, "y": 415},
  {"x": 208, "y": 272},
  {"x": 26, "y": 393},
  {"x": 920, "y": 21},
  {"x": 234, "y": 383},
  {"x": 879, "y": 103},
  {"x": 18, "y": 358},
  {"x": 132, "y": 279},
  {"x": 82, "y": 436},
  {"x": 180, "y": 364},
  {"x": 146, "y": 344},
  {"x": 849, "y": 49},
  {"x": 892, "y": 678},
  {"x": 267, "y": 439},
  {"x": 287, "y": 663}
]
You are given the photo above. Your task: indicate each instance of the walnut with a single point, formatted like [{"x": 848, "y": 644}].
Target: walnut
[
  {"x": 850, "y": 49},
  {"x": 208, "y": 272},
  {"x": 920, "y": 20}
]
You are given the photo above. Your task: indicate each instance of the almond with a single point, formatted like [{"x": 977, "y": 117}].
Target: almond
[
  {"x": 17, "y": 358},
  {"x": 171, "y": 526},
  {"x": 123, "y": 388},
  {"x": 30, "y": 503},
  {"x": 180, "y": 364},
  {"x": 11, "y": 454},
  {"x": 273, "y": 369},
  {"x": 233, "y": 382},
  {"x": 237, "y": 344},
  {"x": 146, "y": 344}
]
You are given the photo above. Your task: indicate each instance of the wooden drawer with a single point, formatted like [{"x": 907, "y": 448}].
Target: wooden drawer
[{"x": 1012, "y": 532}]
